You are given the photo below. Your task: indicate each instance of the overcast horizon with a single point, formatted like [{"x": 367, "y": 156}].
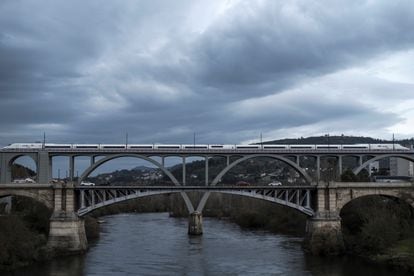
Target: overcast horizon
[{"x": 92, "y": 71}]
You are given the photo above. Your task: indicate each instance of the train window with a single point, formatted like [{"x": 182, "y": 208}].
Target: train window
[
  {"x": 301, "y": 147},
  {"x": 274, "y": 147},
  {"x": 195, "y": 147},
  {"x": 327, "y": 147},
  {"x": 113, "y": 147},
  {"x": 219, "y": 147},
  {"x": 168, "y": 147},
  {"x": 86, "y": 147},
  {"x": 140, "y": 147}
]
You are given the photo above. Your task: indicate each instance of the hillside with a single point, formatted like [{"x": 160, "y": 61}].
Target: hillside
[{"x": 338, "y": 139}]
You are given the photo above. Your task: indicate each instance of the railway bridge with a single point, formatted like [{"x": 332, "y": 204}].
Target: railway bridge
[{"x": 321, "y": 201}]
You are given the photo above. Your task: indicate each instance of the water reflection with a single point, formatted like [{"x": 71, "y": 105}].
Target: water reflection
[{"x": 155, "y": 244}]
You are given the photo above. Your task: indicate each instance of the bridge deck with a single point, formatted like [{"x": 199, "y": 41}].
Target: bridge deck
[{"x": 210, "y": 151}]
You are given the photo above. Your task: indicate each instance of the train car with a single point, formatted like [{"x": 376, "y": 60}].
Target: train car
[
  {"x": 24, "y": 146},
  {"x": 387, "y": 147},
  {"x": 324, "y": 147},
  {"x": 164, "y": 146},
  {"x": 112, "y": 146},
  {"x": 248, "y": 147},
  {"x": 194, "y": 146},
  {"x": 275, "y": 147},
  {"x": 85, "y": 146},
  {"x": 140, "y": 146},
  {"x": 301, "y": 147},
  {"x": 356, "y": 147},
  {"x": 58, "y": 146}
]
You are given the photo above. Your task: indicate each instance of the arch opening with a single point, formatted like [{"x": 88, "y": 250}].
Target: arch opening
[
  {"x": 23, "y": 169},
  {"x": 382, "y": 164},
  {"x": 262, "y": 171},
  {"x": 126, "y": 170}
]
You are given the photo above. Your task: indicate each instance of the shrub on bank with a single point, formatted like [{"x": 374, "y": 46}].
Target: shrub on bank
[{"x": 19, "y": 245}]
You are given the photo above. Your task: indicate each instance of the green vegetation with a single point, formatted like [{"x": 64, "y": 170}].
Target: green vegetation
[
  {"x": 381, "y": 229},
  {"x": 23, "y": 235},
  {"x": 349, "y": 176}
]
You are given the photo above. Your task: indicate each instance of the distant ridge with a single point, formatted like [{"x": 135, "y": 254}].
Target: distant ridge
[{"x": 337, "y": 139}]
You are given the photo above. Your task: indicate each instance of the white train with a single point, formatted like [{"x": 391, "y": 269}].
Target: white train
[{"x": 207, "y": 146}]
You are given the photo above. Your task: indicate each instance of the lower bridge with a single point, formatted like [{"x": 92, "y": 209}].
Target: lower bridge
[{"x": 322, "y": 204}]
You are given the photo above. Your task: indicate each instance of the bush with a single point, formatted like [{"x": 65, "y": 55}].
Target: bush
[{"x": 18, "y": 244}]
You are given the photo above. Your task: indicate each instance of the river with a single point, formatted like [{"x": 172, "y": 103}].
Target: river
[{"x": 156, "y": 244}]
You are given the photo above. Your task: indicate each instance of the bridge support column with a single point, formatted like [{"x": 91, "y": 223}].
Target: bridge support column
[
  {"x": 184, "y": 173},
  {"x": 195, "y": 223},
  {"x": 323, "y": 231},
  {"x": 324, "y": 235},
  {"x": 67, "y": 230},
  {"x": 318, "y": 168},
  {"x": 44, "y": 167}
]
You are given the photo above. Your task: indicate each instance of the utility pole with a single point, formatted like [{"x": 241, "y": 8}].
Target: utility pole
[
  {"x": 393, "y": 142},
  {"x": 261, "y": 140},
  {"x": 194, "y": 139},
  {"x": 126, "y": 140},
  {"x": 44, "y": 140}
]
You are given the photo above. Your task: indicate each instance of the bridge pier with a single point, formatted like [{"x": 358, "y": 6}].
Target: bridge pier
[
  {"x": 323, "y": 231},
  {"x": 67, "y": 234},
  {"x": 324, "y": 235},
  {"x": 67, "y": 231},
  {"x": 195, "y": 223}
]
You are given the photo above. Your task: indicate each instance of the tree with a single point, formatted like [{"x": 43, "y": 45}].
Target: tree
[
  {"x": 348, "y": 176},
  {"x": 363, "y": 176}
]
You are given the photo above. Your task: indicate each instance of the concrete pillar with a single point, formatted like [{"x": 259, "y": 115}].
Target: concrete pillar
[
  {"x": 323, "y": 231},
  {"x": 67, "y": 230},
  {"x": 92, "y": 160},
  {"x": 4, "y": 169},
  {"x": 318, "y": 168},
  {"x": 195, "y": 223},
  {"x": 163, "y": 161},
  {"x": 206, "y": 168},
  {"x": 43, "y": 167},
  {"x": 228, "y": 160},
  {"x": 340, "y": 165},
  {"x": 184, "y": 173},
  {"x": 67, "y": 234},
  {"x": 71, "y": 167},
  {"x": 324, "y": 235},
  {"x": 360, "y": 160},
  {"x": 297, "y": 159}
]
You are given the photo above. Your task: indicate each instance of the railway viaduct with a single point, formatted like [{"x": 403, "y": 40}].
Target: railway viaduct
[{"x": 321, "y": 201}]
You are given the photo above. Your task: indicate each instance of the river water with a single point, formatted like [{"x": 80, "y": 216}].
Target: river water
[{"x": 156, "y": 244}]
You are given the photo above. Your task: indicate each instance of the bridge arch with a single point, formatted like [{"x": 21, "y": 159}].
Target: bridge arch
[
  {"x": 32, "y": 158},
  {"x": 407, "y": 197},
  {"x": 102, "y": 161},
  {"x": 300, "y": 203},
  {"x": 278, "y": 157},
  {"x": 379, "y": 157},
  {"x": 206, "y": 195},
  {"x": 44, "y": 198}
]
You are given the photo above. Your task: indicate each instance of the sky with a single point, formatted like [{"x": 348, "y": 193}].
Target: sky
[{"x": 92, "y": 71}]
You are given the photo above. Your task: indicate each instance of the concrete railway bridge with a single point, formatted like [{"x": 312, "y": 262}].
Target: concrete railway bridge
[{"x": 70, "y": 202}]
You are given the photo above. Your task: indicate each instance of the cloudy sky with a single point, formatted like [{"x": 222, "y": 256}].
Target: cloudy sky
[{"x": 91, "y": 71}]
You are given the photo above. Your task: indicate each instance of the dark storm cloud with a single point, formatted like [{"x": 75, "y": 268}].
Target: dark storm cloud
[
  {"x": 270, "y": 46},
  {"x": 89, "y": 72}
]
